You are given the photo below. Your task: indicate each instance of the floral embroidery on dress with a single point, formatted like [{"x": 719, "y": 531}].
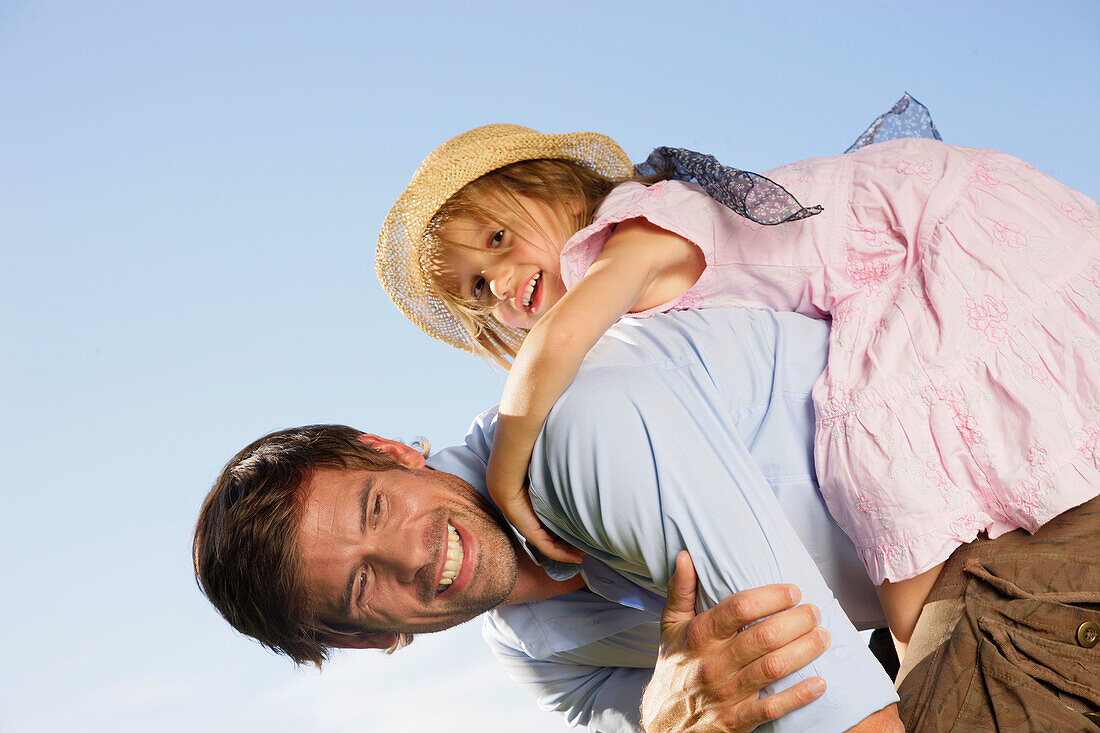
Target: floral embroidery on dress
[
  {"x": 988, "y": 316},
  {"x": 880, "y": 328},
  {"x": 891, "y": 553},
  {"x": 871, "y": 509},
  {"x": 838, "y": 332},
  {"x": 1089, "y": 445},
  {"x": 868, "y": 275},
  {"x": 880, "y": 237},
  {"x": 1078, "y": 213},
  {"x": 984, "y": 174},
  {"x": 839, "y": 402},
  {"x": 690, "y": 299},
  {"x": 913, "y": 168},
  {"x": 843, "y": 317},
  {"x": 1037, "y": 456},
  {"x": 1084, "y": 292},
  {"x": 1035, "y": 369},
  {"x": 967, "y": 524},
  {"x": 1009, "y": 234},
  {"x": 1032, "y": 498},
  {"x": 967, "y": 425},
  {"x": 948, "y": 490},
  {"x": 964, "y": 420}
]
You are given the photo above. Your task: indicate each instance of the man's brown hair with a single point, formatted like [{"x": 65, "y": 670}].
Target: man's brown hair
[{"x": 246, "y": 557}]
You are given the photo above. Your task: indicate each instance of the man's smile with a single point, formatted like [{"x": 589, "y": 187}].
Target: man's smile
[
  {"x": 459, "y": 564},
  {"x": 453, "y": 562}
]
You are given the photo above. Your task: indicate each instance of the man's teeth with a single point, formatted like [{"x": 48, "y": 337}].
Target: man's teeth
[
  {"x": 454, "y": 558},
  {"x": 530, "y": 292}
]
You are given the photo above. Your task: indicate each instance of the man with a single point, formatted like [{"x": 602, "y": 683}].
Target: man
[{"x": 684, "y": 431}]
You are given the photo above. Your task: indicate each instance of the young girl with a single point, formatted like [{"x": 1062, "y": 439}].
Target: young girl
[{"x": 962, "y": 391}]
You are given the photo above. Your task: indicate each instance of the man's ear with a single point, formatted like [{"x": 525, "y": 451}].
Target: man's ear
[
  {"x": 406, "y": 455},
  {"x": 366, "y": 640}
]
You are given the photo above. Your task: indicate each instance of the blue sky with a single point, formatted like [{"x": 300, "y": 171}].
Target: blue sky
[{"x": 189, "y": 198}]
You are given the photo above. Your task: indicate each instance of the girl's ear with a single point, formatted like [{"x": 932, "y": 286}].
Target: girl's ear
[
  {"x": 406, "y": 455},
  {"x": 366, "y": 640}
]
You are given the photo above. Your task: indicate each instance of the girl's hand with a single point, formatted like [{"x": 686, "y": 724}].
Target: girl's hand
[{"x": 507, "y": 482}]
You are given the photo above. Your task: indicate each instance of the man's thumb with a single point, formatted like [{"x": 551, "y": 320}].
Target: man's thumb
[{"x": 680, "y": 604}]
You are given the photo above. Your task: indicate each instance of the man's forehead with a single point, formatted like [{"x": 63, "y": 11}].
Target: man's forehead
[
  {"x": 321, "y": 494},
  {"x": 334, "y": 483},
  {"x": 330, "y": 493},
  {"x": 327, "y": 481}
]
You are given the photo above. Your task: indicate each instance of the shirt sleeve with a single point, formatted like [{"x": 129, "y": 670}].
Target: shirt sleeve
[
  {"x": 592, "y": 697},
  {"x": 638, "y": 462},
  {"x": 469, "y": 460}
]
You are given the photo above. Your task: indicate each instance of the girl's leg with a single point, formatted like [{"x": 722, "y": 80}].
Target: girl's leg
[{"x": 902, "y": 602}]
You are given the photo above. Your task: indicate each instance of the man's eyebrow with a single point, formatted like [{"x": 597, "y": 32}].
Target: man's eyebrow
[{"x": 364, "y": 508}]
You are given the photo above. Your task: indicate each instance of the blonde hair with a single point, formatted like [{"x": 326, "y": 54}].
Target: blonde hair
[{"x": 571, "y": 190}]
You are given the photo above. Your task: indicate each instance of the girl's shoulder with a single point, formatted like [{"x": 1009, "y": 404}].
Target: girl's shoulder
[
  {"x": 625, "y": 194},
  {"x": 631, "y": 199},
  {"x": 681, "y": 208}
]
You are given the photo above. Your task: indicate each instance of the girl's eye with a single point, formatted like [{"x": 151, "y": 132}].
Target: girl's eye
[
  {"x": 496, "y": 240},
  {"x": 479, "y": 287}
]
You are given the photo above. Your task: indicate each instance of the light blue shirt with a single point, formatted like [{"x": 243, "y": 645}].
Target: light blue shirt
[{"x": 688, "y": 430}]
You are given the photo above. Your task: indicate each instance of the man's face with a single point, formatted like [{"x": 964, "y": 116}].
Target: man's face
[{"x": 402, "y": 550}]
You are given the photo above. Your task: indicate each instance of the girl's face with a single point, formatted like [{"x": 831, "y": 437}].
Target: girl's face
[{"x": 512, "y": 267}]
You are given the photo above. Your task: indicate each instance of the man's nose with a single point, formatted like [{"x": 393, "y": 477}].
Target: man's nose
[{"x": 405, "y": 552}]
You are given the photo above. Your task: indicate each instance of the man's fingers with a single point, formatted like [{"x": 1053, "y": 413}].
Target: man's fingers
[
  {"x": 778, "y": 664},
  {"x": 776, "y": 631},
  {"x": 775, "y": 706},
  {"x": 680, "y": 604},
  {"x": 741, "y": 609}
]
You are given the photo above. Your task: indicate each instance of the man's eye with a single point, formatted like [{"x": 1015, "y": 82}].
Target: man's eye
[
  {"x": 364, "y": 580},
  {"x": 479, "y": 287},
  {"x": 376, "y": 511},
  {"x": 496, "y": 240}
]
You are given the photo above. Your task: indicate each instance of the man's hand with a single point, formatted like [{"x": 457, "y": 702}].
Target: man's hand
[{"x": 709, "y": 674}]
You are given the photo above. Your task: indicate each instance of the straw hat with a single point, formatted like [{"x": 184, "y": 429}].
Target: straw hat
[{"x": 448, "y": 168}]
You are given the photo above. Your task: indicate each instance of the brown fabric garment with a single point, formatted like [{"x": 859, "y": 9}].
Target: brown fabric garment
[{"x": 996, "y": 646}]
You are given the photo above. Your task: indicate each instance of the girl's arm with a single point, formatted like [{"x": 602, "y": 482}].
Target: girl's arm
[
  {"x": 903, "y": 601},
  {"x": 641, "y": 266}
]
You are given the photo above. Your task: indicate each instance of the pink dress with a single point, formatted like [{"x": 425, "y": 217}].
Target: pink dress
[{"x": 962, "y": 391}]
